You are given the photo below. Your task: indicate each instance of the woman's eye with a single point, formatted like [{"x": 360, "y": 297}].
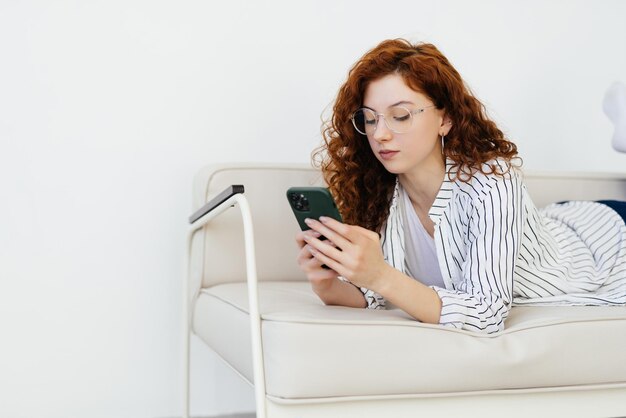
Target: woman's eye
[
  {"x": 370, "y": 121},
  {"x": 401, "y": 118}
]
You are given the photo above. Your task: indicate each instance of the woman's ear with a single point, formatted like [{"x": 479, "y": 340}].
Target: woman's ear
[{"x": 446, "y": 125}]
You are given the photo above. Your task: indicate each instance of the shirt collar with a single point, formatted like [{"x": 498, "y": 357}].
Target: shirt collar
[{"x": 444, "y": 195}]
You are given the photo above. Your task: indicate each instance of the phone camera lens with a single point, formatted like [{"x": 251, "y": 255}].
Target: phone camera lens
[
  {"x": 305, "y": 203},
  {"x": 299, "y": 201}
]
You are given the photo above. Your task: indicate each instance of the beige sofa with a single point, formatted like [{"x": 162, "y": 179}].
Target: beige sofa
[{"x": 248, "y": 301}]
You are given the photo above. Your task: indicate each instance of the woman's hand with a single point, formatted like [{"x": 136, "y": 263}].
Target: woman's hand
[
  {"x": 320, "y": 278},
  {"x": 355, "y": 255},
  {"x": 324, "y": 281}
]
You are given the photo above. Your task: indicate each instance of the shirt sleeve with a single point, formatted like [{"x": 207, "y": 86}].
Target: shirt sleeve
[
  {"x": 373, "y": 299},
  {"x": 482, "y": 300}
]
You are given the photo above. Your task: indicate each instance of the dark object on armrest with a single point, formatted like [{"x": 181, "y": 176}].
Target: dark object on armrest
[{"x": 216, "y": 201}]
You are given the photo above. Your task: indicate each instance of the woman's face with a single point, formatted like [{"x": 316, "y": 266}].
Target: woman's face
[{"x": 420, "y": 146}]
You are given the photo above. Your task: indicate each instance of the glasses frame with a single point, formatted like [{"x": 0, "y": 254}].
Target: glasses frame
[{"x": 379, "y": 115}]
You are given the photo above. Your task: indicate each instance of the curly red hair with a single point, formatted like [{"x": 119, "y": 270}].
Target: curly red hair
[{"x": 362, "y": 187}]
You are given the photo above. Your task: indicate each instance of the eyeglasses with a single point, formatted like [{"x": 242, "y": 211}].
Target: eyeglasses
[{"x": 399, "y": 119}]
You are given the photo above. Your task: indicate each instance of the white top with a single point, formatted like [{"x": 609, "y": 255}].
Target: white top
[
  {"x": 495, "y": 248},
  {"x": 421, "y": 254}
]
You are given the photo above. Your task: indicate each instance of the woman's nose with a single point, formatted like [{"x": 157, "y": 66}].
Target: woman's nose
[{"x": 382, "y": 132}]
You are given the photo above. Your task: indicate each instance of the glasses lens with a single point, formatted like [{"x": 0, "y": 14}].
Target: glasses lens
[
  {"x": 399, "y": 120},
  {"x": 364, "y": 121}
]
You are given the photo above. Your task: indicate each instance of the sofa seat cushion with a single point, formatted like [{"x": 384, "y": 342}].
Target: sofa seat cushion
[{"x": 317, "y": 351}]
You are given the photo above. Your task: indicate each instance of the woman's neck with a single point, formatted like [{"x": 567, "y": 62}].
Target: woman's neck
[{"x": 422, "y": 184}]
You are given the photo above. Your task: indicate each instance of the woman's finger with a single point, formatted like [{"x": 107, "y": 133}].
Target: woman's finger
[
  {"x": 300, "y": 236},
  {"x": 324, "y": 259},
  {"x": 330, "y": 234},
  {"x": 307, "y": 262},
  {"x": 353, "y": 233},
  {"x": 304, "y": 255},
  {"x": 319, "y": 273},
  {"x": 324, "y": 247}
]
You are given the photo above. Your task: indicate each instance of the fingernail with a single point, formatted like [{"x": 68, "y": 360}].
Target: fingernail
[
  {"x": 323, "y": 219},
  {"x": 307, "y": 221},
  {"x": 315, "y": 234}
]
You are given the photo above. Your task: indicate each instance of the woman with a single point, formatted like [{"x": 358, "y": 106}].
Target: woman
[{"x": 410, "y": 153}]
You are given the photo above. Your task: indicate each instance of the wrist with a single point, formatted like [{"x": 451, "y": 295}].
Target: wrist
[
  {"x": 381, "y": 283},
  {"x": 323, "y": 287}
]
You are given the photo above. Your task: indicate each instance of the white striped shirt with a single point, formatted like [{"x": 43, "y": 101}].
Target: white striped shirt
[{"x": 496, "y": 249}]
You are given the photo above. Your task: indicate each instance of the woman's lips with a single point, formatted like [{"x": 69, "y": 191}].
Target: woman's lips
[{"x": 387, "y": 154}]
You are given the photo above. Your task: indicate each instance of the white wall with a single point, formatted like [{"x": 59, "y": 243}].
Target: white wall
[{"x": 108, "y": 108}]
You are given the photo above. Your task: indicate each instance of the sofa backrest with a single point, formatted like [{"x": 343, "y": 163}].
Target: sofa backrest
[
  {"x": 218, "y": 252},
  {"x": 547, "y": 187},
  {"x": 275, "y": 226}
]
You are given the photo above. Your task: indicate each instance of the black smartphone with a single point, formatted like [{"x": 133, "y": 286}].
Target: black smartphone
[{"x": 312, "y": 202}]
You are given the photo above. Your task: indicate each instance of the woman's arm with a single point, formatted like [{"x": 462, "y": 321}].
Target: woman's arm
[
  {"x": 360, "y": 260},
  {"x": 413, "y": 297},
  {"x": 338, "y": 292},
  {"x": 482, "y": 300}
]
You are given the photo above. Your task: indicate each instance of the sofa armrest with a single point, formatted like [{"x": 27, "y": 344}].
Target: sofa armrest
[
  {"x": 216, "y": 202},
  {"x": 229, "y": 198}
]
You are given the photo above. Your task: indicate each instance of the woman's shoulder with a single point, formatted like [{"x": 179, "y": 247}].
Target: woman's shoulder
[{"x": 480, "y": 179}]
